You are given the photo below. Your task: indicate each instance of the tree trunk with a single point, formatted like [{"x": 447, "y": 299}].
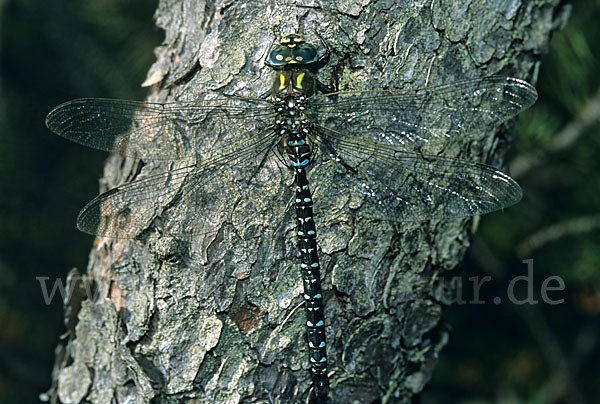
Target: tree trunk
[{"x": 220, "y": 319}]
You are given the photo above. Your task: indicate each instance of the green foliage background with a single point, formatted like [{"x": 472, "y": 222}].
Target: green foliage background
[{"x": 55, "y": 50}]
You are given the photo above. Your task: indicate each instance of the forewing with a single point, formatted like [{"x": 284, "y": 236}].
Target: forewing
[
  {"x": 422, "y": 120},
  {"x": 156, "y": 131}
]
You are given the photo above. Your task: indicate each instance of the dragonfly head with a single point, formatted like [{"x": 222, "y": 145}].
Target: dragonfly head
[{"x": 292, "y": 50}]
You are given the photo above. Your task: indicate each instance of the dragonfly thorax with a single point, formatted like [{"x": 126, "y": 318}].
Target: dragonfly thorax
[{"x": 293, "y": 84}]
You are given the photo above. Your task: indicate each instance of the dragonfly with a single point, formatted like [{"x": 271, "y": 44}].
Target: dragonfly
[{"x": 383, "y": 148}]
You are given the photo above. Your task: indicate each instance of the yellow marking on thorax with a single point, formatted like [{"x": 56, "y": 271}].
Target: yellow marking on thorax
[
  {"x": 299, "y": 80},
  {"x": 281, "y": 82}
]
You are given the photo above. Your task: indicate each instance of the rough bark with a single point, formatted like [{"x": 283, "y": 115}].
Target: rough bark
[{"x": 219, "y": 319}]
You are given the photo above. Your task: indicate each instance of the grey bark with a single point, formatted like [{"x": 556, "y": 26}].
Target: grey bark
[{"x": 220, "y": 319}]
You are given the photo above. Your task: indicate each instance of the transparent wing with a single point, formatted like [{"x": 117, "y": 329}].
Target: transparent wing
[
  {"x": 182, "y": 198},
  {"x": 421, "y": 120},
  {"x": 156, "y": 131},
  {"x": 399, "y": 186}
]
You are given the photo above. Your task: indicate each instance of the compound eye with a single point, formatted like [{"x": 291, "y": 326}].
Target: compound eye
[
  {"x": 279, "y": 56},
  {"x": 305, "y": 54}
]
